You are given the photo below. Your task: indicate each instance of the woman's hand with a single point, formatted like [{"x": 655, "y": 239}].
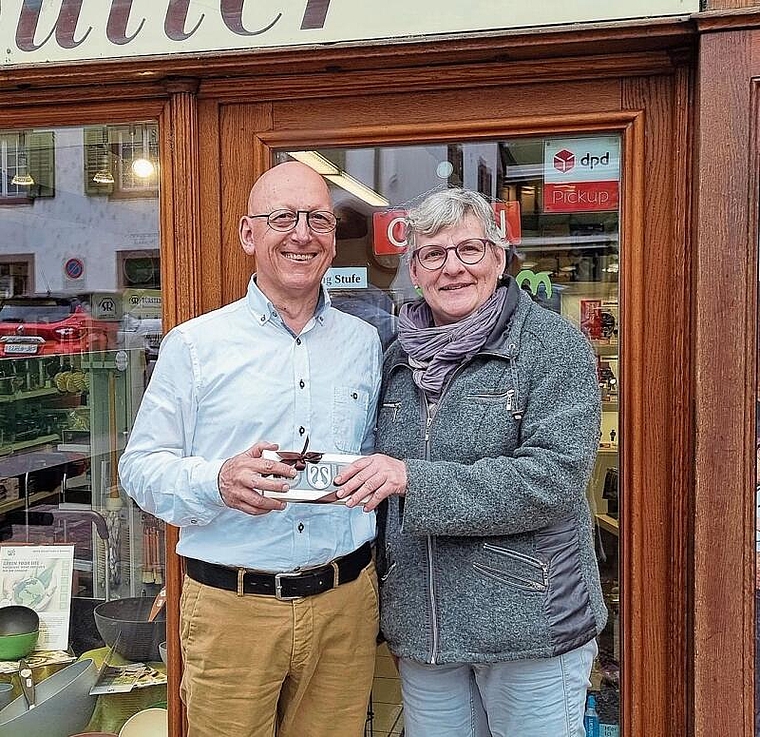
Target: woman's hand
[{"x": 370, "y": 480}]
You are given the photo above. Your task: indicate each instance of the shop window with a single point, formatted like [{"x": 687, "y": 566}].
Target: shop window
[
  {"x": 27, "y": 163},
  {"x": 121, "y": 160},
  {"x": 80, "y": 325},
  {"x": 16, "y": 275}
]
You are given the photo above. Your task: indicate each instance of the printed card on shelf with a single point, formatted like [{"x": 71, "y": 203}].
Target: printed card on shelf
[{"x": 314, "y": 478}]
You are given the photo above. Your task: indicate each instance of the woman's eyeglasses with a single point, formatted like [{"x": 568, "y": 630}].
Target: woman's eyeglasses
[
  {"x": 320, "y": 221},
  {"x": 470, "y": 251}
]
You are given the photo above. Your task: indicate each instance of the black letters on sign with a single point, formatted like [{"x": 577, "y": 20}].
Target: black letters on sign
[
  {"x": 315, "y": 14},
  {"x": 232, "y": 15}
]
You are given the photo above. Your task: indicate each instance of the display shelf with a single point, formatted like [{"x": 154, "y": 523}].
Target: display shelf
[
  {"x": 608, "y": 406},
  {"x": 12, "y": 504},
  {"x": 26, "y": 444},
  {"x": 605, "y": 347},
  {"x": 608, "y": 523},
  {"x": 33, "y": 394}
]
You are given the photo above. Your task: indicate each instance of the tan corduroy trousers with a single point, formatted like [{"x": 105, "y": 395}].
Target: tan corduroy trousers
[{"x": 254, "y": 664}]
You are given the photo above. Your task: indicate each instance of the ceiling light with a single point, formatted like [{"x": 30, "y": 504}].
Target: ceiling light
[
  {"x": 316, "y": 161},
  {"x": 103, "y": 176},
  {"x": 356, "y": 188},
  {"x": 22, "y": 180},
  {"x": 143, "y": 168}
]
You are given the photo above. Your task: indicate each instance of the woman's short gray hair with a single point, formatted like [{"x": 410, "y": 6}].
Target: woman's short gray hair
[{"x": 448, "y": 208}]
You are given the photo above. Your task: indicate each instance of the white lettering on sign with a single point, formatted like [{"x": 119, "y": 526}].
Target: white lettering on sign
[
  {"x": 42, "y": 31},
  {"x": 346, "y": 278}
]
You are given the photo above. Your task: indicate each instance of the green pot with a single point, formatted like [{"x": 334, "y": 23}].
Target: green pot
[{"x": 13, "y": 647}]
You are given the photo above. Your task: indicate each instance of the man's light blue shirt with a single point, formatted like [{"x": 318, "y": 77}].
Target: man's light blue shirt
[{"x": 237, "y": 376}]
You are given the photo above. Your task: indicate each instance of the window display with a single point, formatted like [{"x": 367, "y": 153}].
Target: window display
[{"x": 80, "y": 326}]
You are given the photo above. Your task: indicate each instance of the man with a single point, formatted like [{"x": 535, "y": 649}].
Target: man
[{"x": 279, "y": 606}]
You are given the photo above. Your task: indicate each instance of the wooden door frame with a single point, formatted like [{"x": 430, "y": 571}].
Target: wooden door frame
[
  {"x": 727, "y": 161},
  {"x": 653, "y": 450}
]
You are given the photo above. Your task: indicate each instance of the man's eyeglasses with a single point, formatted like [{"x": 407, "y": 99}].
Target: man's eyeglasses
[
  {"x": 320, "y": 221},
  {"x": 470, "y": 251}
]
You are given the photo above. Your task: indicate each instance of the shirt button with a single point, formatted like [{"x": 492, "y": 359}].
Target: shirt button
[
  {"x": 193, "y": 521},
  {"x": 355, "y": 396},
  {"x": 298, "y": 341},
  {"x": 263, "y": 318},
  {"x": 300, "y": 527},
  {"x": 301, "y": 384},
  {"x": 301, "y": 430}
]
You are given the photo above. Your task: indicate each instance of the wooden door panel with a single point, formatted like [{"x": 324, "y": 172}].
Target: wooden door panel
[{"x": 488, "y": 103}]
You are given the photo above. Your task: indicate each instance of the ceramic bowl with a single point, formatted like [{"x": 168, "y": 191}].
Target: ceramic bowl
[
  {"x": 19, "y": 631},
  {"x": 147, "y": 723},
  {"x": 123, "y": 624},
  {"x": 162, "y": 651},
  {"x": 63, "y": 705}
]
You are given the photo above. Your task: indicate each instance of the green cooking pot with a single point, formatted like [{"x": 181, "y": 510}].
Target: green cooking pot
[{"x": 19, "y": 631}]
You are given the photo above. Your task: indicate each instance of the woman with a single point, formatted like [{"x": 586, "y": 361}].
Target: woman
[{"x": 487, "y": 433}]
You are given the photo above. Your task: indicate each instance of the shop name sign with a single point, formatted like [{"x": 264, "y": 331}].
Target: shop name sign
[{"x": 37, "y": 31}]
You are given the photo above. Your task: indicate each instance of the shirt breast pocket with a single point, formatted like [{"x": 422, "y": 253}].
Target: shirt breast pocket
[{"x": 350, "y": 408}]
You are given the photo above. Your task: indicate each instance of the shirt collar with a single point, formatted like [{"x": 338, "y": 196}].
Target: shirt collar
[{"x": 264, "y": 311}]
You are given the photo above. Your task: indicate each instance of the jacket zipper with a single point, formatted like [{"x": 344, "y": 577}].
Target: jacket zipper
[
  {"x": 503, "y": 576},
  {"x": 430, "y": 547},
  {"x": 540, "y": 565}
]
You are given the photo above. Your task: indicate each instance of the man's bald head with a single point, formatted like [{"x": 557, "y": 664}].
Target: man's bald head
[{"x": 282, "y": 180}]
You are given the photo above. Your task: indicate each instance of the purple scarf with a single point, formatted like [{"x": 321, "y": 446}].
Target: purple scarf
[{"x": 436, "y": 351}]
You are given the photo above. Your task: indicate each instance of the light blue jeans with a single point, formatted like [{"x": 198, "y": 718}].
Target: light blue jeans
[{"x": 522, "y": 698}]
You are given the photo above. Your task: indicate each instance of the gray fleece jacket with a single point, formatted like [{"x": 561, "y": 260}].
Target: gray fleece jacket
[{"x": 490, "y": 556}]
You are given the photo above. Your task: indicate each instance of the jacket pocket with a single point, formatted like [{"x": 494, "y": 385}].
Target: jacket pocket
[
  {"x": 514, "y": 568},
  {"x": 350, "y": 407}
]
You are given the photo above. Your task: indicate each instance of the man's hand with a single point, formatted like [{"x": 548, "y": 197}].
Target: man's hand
[
  {"x": 242, "y": 479},
  {"x": 370, "y": 480}
]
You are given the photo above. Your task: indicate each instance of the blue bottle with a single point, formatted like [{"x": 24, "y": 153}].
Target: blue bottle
[{"x": 591, "y": 718}]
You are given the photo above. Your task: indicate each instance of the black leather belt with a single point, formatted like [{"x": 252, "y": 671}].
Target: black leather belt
[{"x": 290, "y": 585}]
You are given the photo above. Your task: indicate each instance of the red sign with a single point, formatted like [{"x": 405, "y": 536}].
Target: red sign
[
  {"x": 581, "y": 197},
  {"x": 389, "y": 232},
  {"x": 389, "y": 236}
]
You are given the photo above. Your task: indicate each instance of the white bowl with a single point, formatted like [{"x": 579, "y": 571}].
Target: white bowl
[
  {"x": 147, "y": 723},
  {"x": 162, "y": 651}
]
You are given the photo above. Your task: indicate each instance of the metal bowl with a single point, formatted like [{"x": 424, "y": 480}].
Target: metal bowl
[
  {"x": 63, "y": 705},
  {"x": 123, "y": 624}
]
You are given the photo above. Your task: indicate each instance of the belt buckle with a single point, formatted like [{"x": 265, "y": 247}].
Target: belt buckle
[{"x": 278, "y": 585}]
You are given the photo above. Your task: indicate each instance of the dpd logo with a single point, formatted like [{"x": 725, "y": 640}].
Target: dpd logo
[{"x": 564, "y": 160}]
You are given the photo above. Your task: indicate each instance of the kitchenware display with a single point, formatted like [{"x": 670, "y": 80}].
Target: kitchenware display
[
  {"x": 123, "y": 624},
  {"x": 27, "y": 684},
  {"x": 19, "y": 631},
  {"x": 147, "y": 723},
  {"x": 63, "y": 705},
  {"x": 162, "y": 651}
]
